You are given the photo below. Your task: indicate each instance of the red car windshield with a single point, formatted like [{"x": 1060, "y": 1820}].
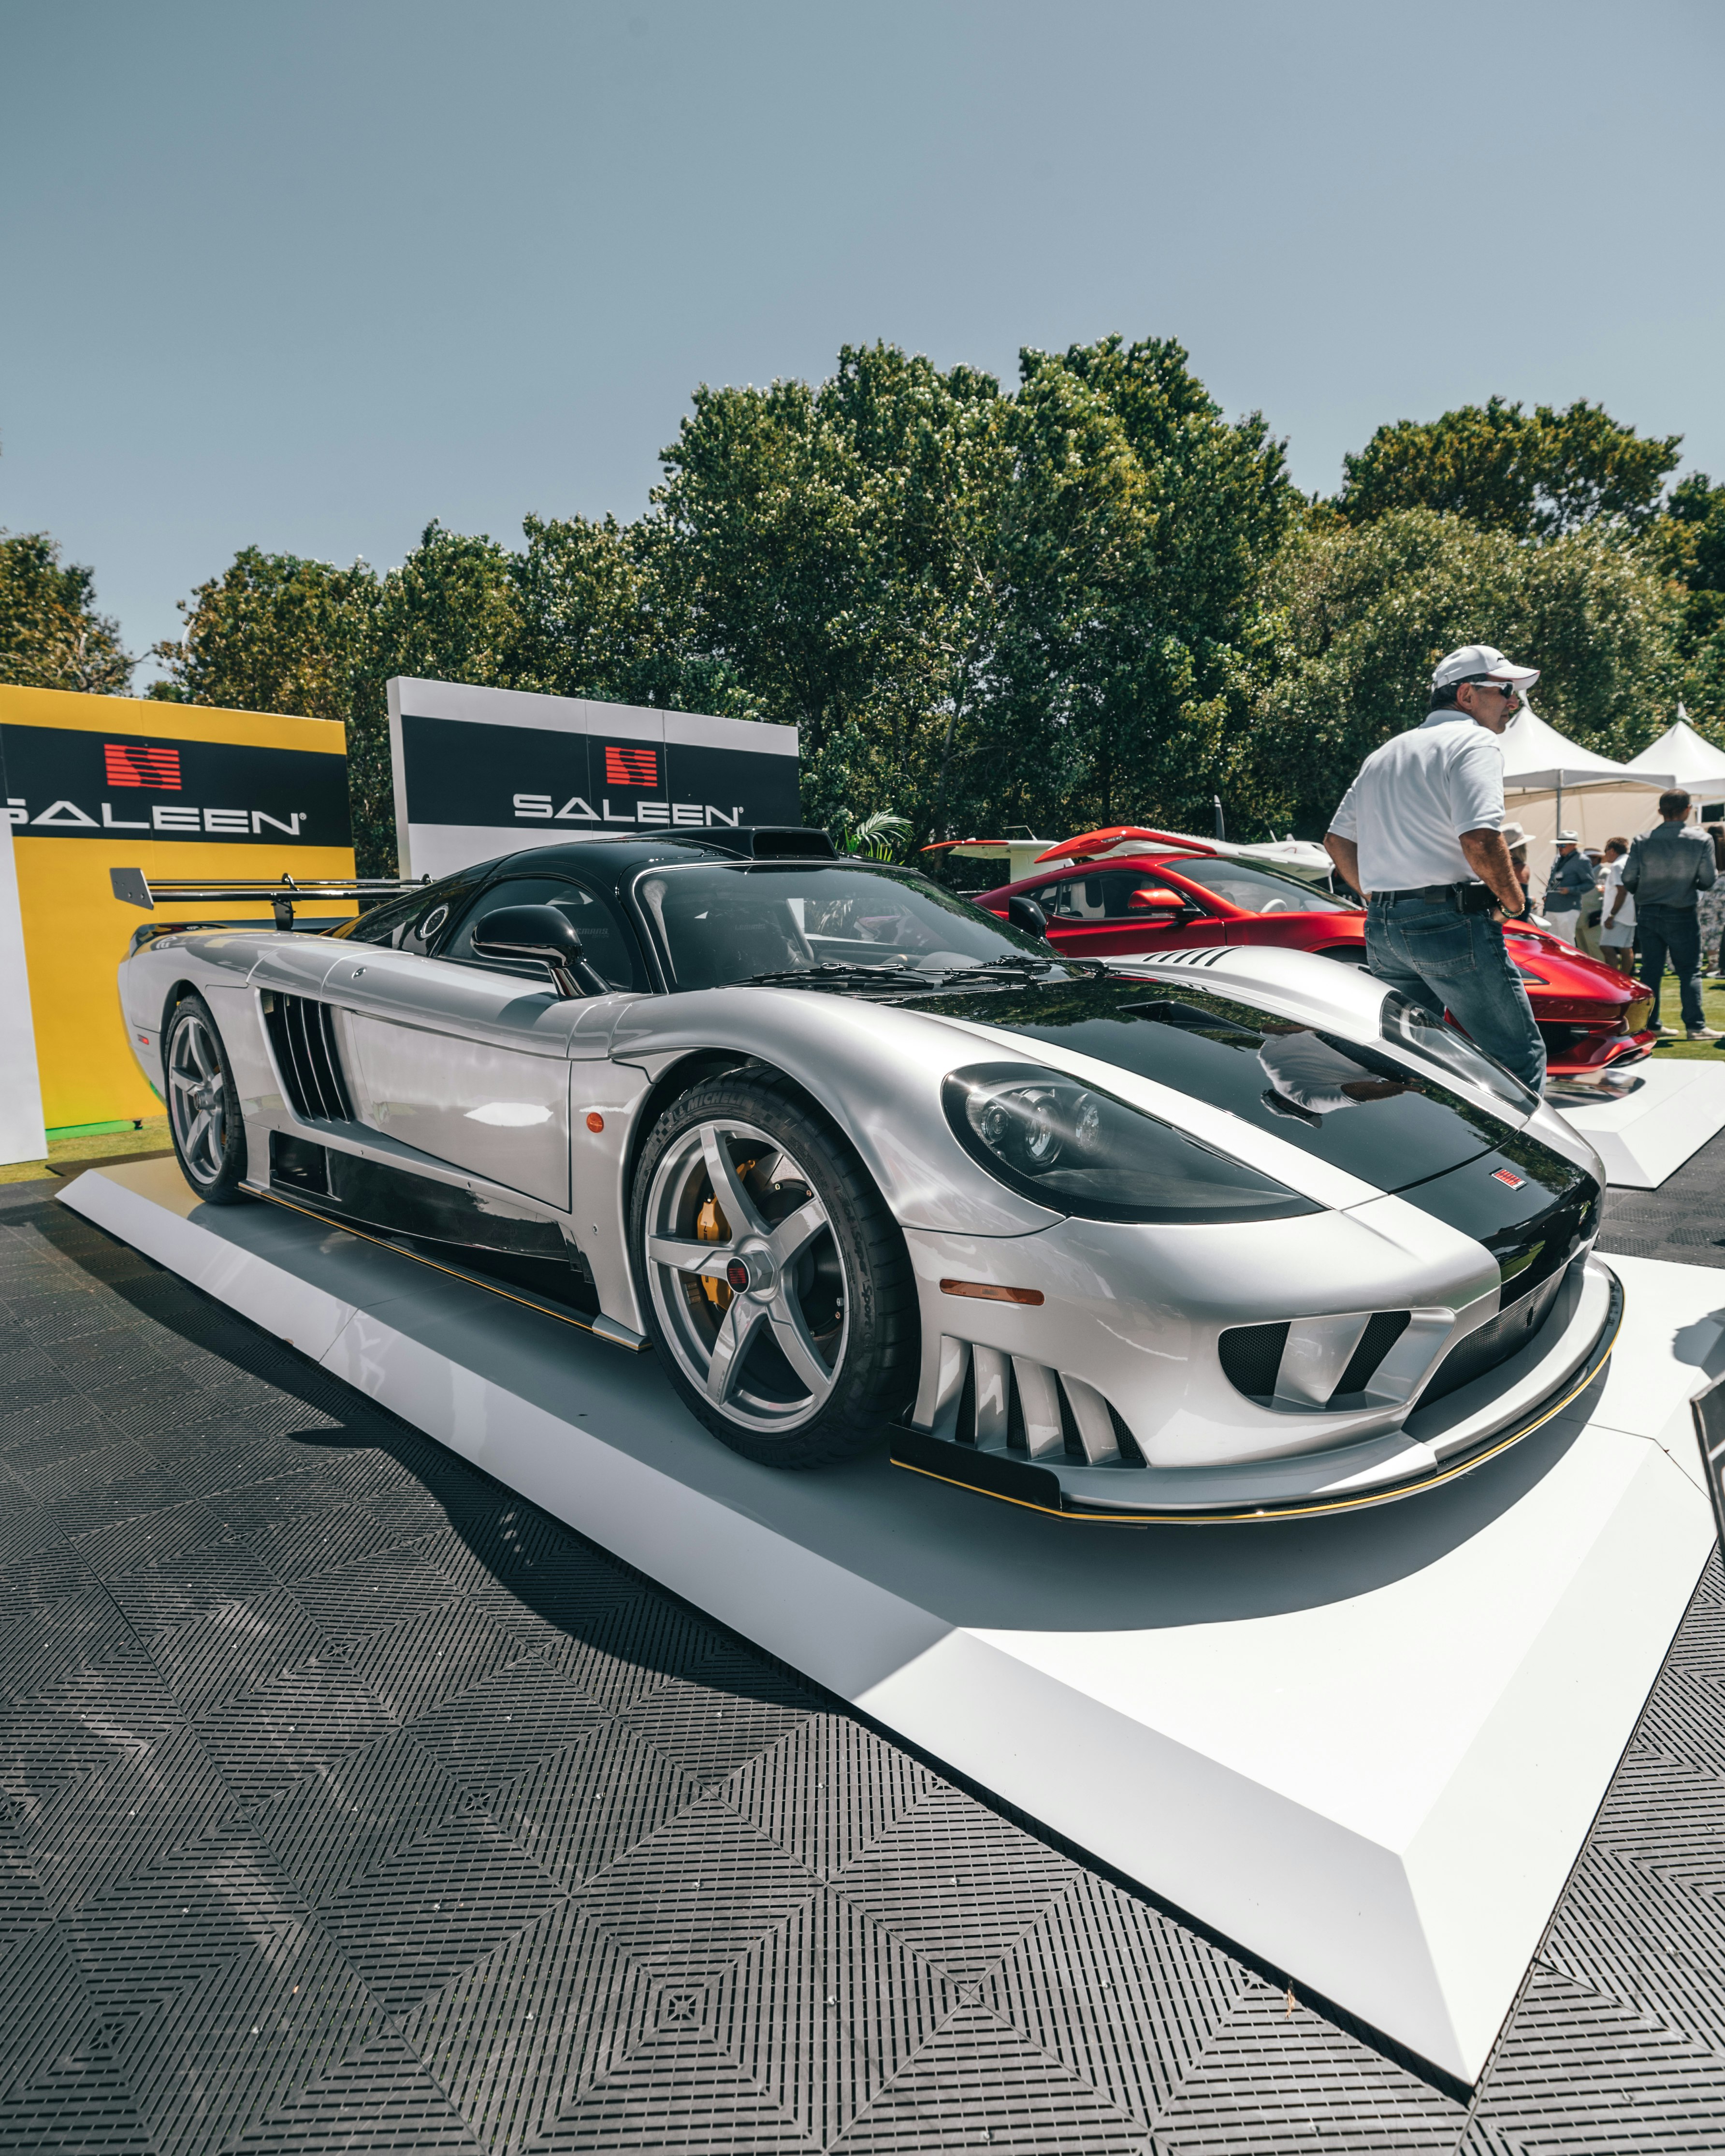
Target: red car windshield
[{"x": 1258, "y": 891}]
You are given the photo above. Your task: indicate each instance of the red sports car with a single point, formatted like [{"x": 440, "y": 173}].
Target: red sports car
[{"x": 1116, "y": 893}]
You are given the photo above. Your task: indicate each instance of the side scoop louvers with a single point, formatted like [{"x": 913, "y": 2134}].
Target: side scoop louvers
[{"x": 302, "y": 1032}]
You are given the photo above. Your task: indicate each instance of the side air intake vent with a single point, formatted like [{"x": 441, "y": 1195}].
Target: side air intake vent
[
  {"x": 303, "y": 1034},
  {"x": 1251, "y": 1358}
]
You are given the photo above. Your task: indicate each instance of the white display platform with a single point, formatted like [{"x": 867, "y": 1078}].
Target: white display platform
[
  {"x": 1648, "y": 1134},
  {"x": 1366, "y": 1748}
]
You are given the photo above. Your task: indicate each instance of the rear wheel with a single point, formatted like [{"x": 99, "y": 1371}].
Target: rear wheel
[
  {"x": 776, "y": 1282},
  {"x": 202, "y": 1108}
]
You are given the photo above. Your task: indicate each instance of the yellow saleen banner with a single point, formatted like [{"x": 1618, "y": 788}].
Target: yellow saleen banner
[{"x": 97, "y": 782}]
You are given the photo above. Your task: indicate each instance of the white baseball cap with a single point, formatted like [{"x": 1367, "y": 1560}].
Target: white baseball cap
[{"x": 1481, "y": 661}]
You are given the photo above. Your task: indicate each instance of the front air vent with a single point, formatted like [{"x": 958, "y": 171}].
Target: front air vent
[
  {"x": 1380, "y": 1336},
  {"x": 302, "y": 1033},
  {"x": 1488, "y": 1345},
  {"x": 1251, "y": 1355},
  {"x": 1008, "y": 1404}
]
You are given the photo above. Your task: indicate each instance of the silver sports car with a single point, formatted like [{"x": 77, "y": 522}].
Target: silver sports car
[{"x": 1225, "y": 1233}]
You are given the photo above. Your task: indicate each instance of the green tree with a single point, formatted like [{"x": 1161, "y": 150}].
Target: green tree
[
  {"x": 1353, "y": 619},
  {"x": 279, "y": 632},
  {"x": 51, "y": 636},
  {"x": 1132, "y": 537},
  {"x": 1688, "y": 545},
  {"x": 827, "y": 545},
  {"x": 1534, "y": 475}
]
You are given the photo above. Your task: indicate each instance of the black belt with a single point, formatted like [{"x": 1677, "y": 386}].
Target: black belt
[{"x": 1465, "y": 897}]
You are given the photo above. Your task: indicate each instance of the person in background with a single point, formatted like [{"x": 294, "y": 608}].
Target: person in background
[
  {"x": 1419, "y": 835},
  {"x": 1617, "y": 924},
  {"x": 1571, "y": 878},
  {"x": 1665, "y": 868},
  {"x": 1710, "y": 905},
  {"x": 1593, "y": 904},
  {"x": 1515, "y": 839}
]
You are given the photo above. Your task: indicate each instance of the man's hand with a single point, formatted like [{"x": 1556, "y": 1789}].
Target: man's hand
[
  {"x": 1487, "y": 854},
  {"x": 1345, "y": 854}
]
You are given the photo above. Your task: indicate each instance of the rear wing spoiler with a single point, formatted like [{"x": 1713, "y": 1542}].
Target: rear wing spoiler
[{"x": 132, "y": 888}]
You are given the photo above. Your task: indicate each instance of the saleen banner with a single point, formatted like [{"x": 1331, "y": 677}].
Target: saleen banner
[
  {"x": 480, "y": 771},
  {"x": 70, "y": 784},
  {"x": 96, "y": 783}
]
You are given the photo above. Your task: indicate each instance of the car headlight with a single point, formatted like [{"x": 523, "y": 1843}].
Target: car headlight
[{"x": 1076, "y": 1150}]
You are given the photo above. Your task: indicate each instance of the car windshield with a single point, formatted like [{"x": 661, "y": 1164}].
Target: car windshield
[
  {"x": 720, "y": 923},
  {"x": 1256, "y": 890}
]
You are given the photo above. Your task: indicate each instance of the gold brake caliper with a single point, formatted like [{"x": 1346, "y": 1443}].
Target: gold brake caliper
[{"x": 710, "y": 1226}]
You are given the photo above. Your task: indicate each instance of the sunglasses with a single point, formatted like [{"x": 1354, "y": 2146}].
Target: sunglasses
[{"x": 1504, "y": 689}]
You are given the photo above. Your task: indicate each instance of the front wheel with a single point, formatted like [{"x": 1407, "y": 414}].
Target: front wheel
[
  {"x": 203, "y": 1114},
  {"x": 776, "y": 1283}
]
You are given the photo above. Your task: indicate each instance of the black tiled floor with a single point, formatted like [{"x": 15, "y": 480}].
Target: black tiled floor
[{"x": 348, "y": 1803}]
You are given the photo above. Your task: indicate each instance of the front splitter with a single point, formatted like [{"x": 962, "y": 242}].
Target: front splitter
[{"x": 1037, "y": 1489}]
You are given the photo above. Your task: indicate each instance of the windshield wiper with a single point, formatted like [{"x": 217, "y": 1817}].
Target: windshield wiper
[
  {"x": 992, "y": 969},
  {"x": 830, "y": 974}
]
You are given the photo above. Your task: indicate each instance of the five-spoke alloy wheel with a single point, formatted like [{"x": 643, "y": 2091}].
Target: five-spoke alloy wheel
[
  {"x": 776, "y": 1282},
  {"x": 202, "y": 1112}
]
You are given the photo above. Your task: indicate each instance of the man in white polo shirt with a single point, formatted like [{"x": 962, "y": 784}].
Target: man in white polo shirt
[{"x": 1418, "y": 835}]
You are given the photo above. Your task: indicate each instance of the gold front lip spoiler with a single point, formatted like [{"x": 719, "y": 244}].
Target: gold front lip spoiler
[{"x": 1078, "y": 1514}]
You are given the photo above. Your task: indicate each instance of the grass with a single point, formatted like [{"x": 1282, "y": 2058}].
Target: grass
[
  {"x": 151, "y": 1136},
  {"x": 1713, "y": 1004}
]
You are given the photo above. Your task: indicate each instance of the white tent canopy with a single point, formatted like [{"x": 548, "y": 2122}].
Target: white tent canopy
[
  {"x": 1692, "y": 762},
  {"x": 1604, "y": 799},
  {"x": 1537, "y": 759}
]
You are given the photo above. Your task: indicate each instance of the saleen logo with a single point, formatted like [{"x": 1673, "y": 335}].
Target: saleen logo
[
  {"x": 632, "y": 767},
  {"x": 126, "y": 765},
  {"x": 537, "y": 807},
  {"x": 167, "y": 818},
  {"x": 1502, "y": 1175}
]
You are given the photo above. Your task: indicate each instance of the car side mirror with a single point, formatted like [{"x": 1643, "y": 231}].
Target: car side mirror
[
  {"x": 541, "y": 933},
  {"x": 1157, "y": 900},
  {"x": 1026, "y": 914}
]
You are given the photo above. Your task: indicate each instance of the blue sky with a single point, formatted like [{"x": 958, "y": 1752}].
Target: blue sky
[{"x": 305, "y": 276}]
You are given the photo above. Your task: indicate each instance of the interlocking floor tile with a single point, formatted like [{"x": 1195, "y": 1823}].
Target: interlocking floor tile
[
  {"x": 730, "y": 1709},
  {"x": 435, "y": 1907},
  {"x": 981, "y": 2084},
  {"x": 1272, "y": 2079},
  {"x": 955, "y": 1880},
  {"x": 379, "y": 2100},
  {"x": 347, "y": 1816},
  {"x": 416, "y": 1665},
  {"x": 451, "y": 1832},
  {"x": 507, "y": 1723},
  {"x": 101, "y": 1773},
  {"x": 697, "y": 1894},
  {"x": 1128, "y": 1998},
  {"x": 304, "y": 1719},
  {"x": 1575, "y": 2072},
  {"x": 577, "y": 1812},
  {"x": 190, "y": 1584},
  {"x": 827, "y": 1791}
]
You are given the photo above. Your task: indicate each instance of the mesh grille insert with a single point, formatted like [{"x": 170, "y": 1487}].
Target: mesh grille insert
[
  {"x": 1251, "y": 1357},
  {"x": 1507, "y": 1334}
]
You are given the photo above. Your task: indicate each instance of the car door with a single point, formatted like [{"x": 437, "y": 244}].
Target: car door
[
  {"x": 466, "y": 1060},
  {"x": 1091, "y": 913}
]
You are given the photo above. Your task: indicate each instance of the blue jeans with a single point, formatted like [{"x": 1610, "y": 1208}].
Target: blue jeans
[
  {"x": 1457, "y": 962},
  {"x": 1673, "y": 932}
]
